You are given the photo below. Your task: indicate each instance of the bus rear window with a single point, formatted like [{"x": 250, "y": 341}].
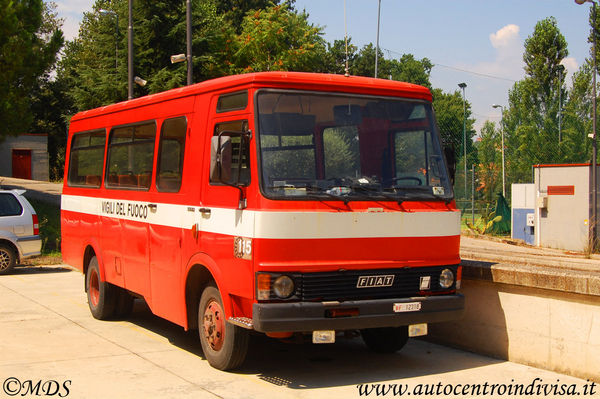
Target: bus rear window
[
  {"x": 86, "y": 159},
  {"x": 130, "y": 156}
]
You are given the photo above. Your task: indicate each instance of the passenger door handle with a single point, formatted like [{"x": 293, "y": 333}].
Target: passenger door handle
[{"x": 204, "y": 211}]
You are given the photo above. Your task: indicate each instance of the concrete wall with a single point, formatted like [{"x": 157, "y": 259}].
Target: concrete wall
[
  {"x": 564, "y": 222},
  {"x": 556, "y": 327},
  {"x": 38, "y": 144}
]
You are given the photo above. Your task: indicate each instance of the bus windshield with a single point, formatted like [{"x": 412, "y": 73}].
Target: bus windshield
[{"x": 350, "y": 148}]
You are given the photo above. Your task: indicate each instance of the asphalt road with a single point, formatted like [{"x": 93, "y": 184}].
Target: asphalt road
[{"x": 48, "y": 336}]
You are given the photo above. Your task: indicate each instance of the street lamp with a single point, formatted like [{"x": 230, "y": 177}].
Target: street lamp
[
  {"x": 188, "y": 33},
  {"x": 377, "y": 46},
  {"x": 109, "y": 12},
  {"x": 502, "y": 130},
  {"x": 463, "y": 86},
  {"x": 140, "y": 81},
  {"x": 593, "y": 135},
  {"x": 130, "y": 52}
]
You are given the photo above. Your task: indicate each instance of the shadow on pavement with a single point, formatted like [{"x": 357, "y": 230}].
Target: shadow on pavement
[
  {"x": 25, "y": 270},
  {"x": 306, "y": 365}
]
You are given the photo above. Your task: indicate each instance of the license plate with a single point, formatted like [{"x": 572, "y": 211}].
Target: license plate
[
  {"x": 417, "y": 330},
  {"x": 323, "y": 337},
  {"x": 407, "y": 307}
]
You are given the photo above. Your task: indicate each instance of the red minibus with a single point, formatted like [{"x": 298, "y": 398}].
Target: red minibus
[{"x": 279, "y": 202}]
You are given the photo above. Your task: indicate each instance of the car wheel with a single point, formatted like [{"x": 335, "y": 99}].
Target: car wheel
[
  {"x": 224, "y": 344},
  {"x": 8, "y": 259},
  {"x": 385, "y": 340},
  {"x": 101, "y": 295}
]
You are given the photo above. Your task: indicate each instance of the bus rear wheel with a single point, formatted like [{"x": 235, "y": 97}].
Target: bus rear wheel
[
  {"x": 100, "y": 294},
  {"x": 224, "y": 344},
  {"x": 385, "y": 340}
]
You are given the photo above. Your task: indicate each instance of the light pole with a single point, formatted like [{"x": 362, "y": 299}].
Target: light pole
[
  {"x": 130, "y": 53},
  {"x": 188, "y": 30},
  {"x": 502, "y": 131},
  {"x": 463, "y": 86},
  {"x": 593, "y": 135},
  {"x": 109, "y": 12},
  {"x": 377, "y": 47}
]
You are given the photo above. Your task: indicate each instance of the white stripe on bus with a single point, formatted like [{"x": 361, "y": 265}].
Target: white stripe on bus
[{"x": 274, "y": 224}]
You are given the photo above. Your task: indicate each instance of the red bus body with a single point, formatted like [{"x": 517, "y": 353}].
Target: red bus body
[{"x": 341, "y": 250}]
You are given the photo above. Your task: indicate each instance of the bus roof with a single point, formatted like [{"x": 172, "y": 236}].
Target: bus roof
[{"x": 280, "y": 79}]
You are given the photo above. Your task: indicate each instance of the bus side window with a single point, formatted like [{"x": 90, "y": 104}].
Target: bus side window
[
  {"x": 86, "y": 159},
  {"x": 170, "y": 155},
  {"x": 237, "y": 152},
  {"x": 130, "y": 156}
]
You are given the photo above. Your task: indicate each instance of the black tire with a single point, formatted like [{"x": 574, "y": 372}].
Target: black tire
[
  {"x": 224, "y": 350},
  {"x": 8, "y": 259},
  {"x": 124, "y": 302},
  {"x": 385, "y": 340},
  {"x": 101, "y": 295}
]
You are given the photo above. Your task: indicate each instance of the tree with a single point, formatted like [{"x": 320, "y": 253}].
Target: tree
[
  {"x": 89, "y": 61},
  {"x": 278, "y": 38},
  {"x": 30, "y": 38},
  {"x": 490, "y": 161},
  {"x": 335, "y": 58},
  {"x": 577, "y": 122},
  {"x": 235, "y": 10},
  {"x": 450, "y": 117},
  {"x": 531, "y": 120}
]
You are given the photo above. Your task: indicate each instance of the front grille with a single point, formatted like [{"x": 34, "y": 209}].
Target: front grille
[{"x": 341, "y": 285}]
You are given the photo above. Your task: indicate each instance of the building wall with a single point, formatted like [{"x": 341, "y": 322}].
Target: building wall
[
  {"x": 563, "y": 221},
  {"x": 38, "y": 144}
]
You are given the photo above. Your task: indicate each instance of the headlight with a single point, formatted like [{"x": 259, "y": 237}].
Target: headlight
[
  {"x": 283, "y": 287},
  {"x": 446, "y": 278}
]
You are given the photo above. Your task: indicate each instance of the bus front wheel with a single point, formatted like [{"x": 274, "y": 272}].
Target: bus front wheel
[
  {"x": 385, "y": 340},
  {"x": 224, "y": 344},
  {"x": 100, "y": 294}
]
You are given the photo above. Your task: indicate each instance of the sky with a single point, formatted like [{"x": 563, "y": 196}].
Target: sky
[{"x": 478, "y": 42}]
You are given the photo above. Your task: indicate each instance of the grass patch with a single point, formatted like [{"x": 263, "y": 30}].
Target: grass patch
[{"x": 49, "y": 220}]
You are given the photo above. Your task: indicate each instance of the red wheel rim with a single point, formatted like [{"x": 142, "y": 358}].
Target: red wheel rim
[
  {"x": 214, "y": 325},
  {"x": 94, "y": 288}
]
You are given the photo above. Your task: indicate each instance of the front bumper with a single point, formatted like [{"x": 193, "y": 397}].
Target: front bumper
[{"x": 311, "y": 316}]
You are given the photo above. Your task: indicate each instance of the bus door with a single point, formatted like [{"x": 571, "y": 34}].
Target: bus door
[
  {"x": 129, "y": 170},
  {"x": 166, "y": 235},
  {"x": 226, "y": 227}
]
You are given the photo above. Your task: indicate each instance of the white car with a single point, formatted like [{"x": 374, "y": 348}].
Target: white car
[{"x": 19, "y": 230}]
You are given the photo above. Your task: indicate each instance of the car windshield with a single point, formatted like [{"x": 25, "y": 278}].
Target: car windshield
[{"x": 325, "y": 146}]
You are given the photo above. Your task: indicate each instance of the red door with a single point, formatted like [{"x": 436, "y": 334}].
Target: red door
[{"x": 21, "y": 164}]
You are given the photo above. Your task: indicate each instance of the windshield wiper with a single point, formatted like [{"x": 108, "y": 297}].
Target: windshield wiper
[
  {"x": 319, "y": 190},
  {"x": 370, "y": 189},
  {"x": 421, "y": 194}
]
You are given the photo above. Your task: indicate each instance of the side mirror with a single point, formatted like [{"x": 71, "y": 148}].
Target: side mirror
[
  {"x": 220, "y": 159},
  {"x": 223, "y": 168},
  {"x": 451, "y": 160}
]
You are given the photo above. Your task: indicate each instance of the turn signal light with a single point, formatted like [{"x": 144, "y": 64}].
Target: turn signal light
[{"x": 263, "y": 286}]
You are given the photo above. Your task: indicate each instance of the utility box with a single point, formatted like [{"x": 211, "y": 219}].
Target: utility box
[
  {"x": 523, "y": 212},
  {"x": 563, "y": 206}
]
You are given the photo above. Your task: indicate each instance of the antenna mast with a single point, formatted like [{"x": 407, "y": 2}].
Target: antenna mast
[{"x": 347, "y": 73}]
